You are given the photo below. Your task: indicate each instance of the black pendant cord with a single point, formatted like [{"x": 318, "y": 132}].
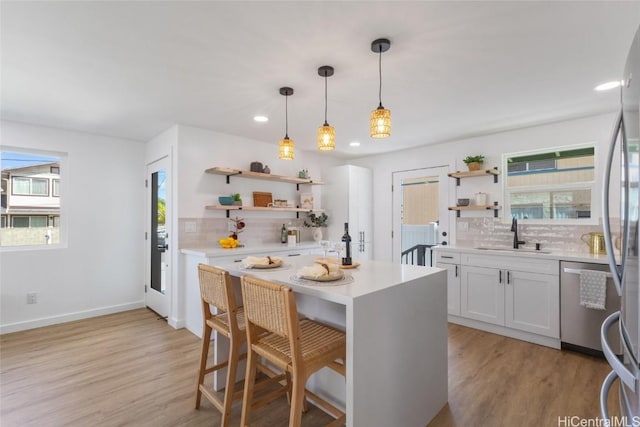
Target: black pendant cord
[
  {"x": 325, "y": 99},
  {"x": 380, "y": 75},
  {"x": 286, "y": 117}
]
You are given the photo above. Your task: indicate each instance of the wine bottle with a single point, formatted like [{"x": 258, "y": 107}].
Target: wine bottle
[
  {"x": 346, "y": 239},
  {"x": 283, "y": 234}
]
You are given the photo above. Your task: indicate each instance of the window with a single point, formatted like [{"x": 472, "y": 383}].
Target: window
[
  {"x": 553, "y": 184},
  {"x": 31, "y": 188},
  {"x": 28, "y": 221}
]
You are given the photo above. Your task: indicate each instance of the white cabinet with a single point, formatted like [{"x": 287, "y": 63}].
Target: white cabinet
[
  {"x": 482, "y": 294},
  {"x": 523, "y": 300},
  {"x": 517, "y": 296},
  {"x": 451, "y": 263},
  {"x": 532, "y": 303},
  {"x": 348, "y": 197}
]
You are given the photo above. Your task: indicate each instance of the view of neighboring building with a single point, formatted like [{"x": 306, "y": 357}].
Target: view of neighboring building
[{"x": 30, "y": 213}]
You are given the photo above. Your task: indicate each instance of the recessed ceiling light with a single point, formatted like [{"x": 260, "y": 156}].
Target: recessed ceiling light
[
  {"x": 608, "y": 85},
  {"x": 261, "y": 119},
  {"x": 354, "y": 144}
]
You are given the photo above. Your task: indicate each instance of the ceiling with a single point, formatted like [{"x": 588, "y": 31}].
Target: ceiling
[{"x": 455, "y": 69}]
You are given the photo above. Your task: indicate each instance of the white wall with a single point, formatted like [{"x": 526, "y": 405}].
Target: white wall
[
  {"x": 590, "y": 129},
  {"x": 200, "y": 149},
  {"x": 100, "y": 269}
]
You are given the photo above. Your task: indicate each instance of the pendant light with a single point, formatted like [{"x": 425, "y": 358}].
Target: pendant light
[
  {"x": 380, "y": 123},
  {"x": 326, "y": 133},
  {"x": 286, "y": 146}
]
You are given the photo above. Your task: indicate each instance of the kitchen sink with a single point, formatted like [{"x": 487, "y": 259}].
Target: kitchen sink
[{"x": 504, "y": 249}]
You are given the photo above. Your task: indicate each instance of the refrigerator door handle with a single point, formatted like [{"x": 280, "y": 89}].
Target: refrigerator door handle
[
  {"x": 604, "y": 393},
  {"x": 617, "y": 276},
  {"x": 626, "y": 376}
]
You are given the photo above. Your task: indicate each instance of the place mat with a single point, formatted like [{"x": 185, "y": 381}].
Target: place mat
[
  {"x": 345, "y": 280},
  {"x": 283, "y": 266},
  {"x": 276, "y": 264}
]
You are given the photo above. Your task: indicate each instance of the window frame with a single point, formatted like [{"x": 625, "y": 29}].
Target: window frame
[
  {"x": 63, "y": 160},
  {"x": 31, "y": 193},
  {"x": 585, "y": 185}
]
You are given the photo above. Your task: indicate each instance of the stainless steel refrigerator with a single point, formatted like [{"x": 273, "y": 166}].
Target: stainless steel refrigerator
[{"x": 624, "y": 167}]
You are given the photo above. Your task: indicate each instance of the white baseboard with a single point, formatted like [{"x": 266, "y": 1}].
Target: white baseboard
[
  {"x": 508, "y": 332},
  {"x": 176, "y": 323},
  {"x": 68, "y": 317}
]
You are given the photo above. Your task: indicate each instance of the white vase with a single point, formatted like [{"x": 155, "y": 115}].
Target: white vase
[{"x": 317, "y": 234}]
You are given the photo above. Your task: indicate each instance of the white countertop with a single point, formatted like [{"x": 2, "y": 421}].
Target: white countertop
[
  {"x": 559, "y": 256},
  {"x": 368, "y": 278},
  {"x": 216, "y": 251}
]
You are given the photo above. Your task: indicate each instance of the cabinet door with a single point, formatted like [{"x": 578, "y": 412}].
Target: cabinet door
[
  {"x": 532, "y": 303},
  {"x": 360, "y": 211},
  {"x": 482, "y": 294},
  {"x": 453, "y": 288}
]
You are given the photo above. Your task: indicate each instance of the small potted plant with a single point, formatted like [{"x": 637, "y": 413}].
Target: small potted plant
[
  {"x": 237, "y": 200},
  {"x": 474, "y": 163},
  {"x": 316, "y": 221}
]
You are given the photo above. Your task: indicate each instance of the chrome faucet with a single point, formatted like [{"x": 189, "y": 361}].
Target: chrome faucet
[{"x": 514, "y": 228}]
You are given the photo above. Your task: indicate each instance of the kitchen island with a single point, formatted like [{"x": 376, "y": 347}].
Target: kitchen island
[{"x": 396, "y": 326}]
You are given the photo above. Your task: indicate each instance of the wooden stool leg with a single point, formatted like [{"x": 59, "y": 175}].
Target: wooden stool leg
[
  {"x": 232, "y": 367},
  {"x": 204, "y": 355},
  {"x": 249, "y": 380},
  {"x": 297, "y": 401}
]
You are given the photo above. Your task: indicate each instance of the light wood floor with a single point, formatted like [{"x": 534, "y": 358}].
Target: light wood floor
[{"x": 131, "y": 369}]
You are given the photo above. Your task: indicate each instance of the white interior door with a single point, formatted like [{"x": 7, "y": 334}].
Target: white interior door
[
  {"x": 420, "y": 213},
  {"x": 158, "y": 234}
]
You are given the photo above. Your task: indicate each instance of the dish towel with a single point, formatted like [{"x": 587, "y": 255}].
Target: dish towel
[{"x": 593, "y": 289}]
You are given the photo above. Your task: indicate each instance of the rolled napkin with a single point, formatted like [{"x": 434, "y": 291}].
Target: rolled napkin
[
  {"x": 318, "y": 270},
  {"x": 252, "y": 261}
]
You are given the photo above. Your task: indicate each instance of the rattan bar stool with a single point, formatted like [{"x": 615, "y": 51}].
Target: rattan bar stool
[
  {"x": 297, "y": 347},
  {"x": 216, "y": 290}
]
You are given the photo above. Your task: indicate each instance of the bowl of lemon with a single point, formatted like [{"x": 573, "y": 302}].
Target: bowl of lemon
[{"x": 228, "y": 242}]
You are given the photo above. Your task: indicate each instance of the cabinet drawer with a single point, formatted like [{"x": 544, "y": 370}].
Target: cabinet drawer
[
  {"x": 447, "y": 257},
  {"x": 528, "y": 264}
]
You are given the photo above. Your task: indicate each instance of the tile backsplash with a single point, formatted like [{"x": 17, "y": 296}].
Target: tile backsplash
[
  {"x": 205, "y": 232},
  {"x": 555, "y": 237}
]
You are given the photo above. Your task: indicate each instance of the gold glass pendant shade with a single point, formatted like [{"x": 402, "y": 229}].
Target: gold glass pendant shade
[
  {"x": 326, "y": 138},
  {"x": 380, "y": 123},
  {"x": 286, "y": 149}
]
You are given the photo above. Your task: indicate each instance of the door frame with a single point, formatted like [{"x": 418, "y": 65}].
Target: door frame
[
  {"x": 444, "y": 198},
  {"x": 161, "y": 305}
]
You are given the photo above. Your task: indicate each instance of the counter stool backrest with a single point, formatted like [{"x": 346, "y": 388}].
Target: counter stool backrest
[{"x": 215, "y": 288}]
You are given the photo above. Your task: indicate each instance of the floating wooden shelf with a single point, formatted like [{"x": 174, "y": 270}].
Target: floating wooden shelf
[
  {"x": 258, "y": 208},
  {"x": 229, "y": 172},
  {"x": 494, "y": 208},
  {"x": 470, "y": 174}
]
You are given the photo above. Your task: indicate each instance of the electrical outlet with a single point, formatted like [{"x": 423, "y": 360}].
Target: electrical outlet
[
  {"x": 190, "y": 227},
  {"x": 32, "y": 298}
]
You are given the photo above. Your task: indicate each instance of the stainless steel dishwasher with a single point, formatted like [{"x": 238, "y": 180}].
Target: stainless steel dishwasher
[{"x": 580, "y": 326}]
